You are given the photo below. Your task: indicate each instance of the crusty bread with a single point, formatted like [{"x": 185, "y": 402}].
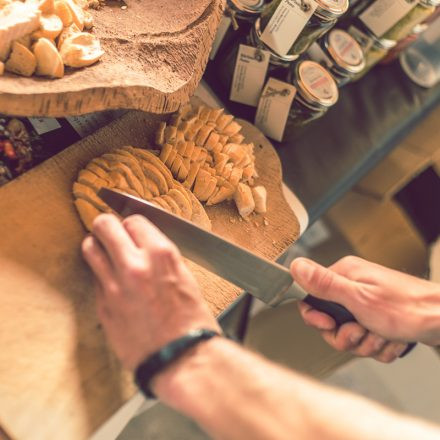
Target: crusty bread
[
  {"x": 140, "y": 173},
  {"x": 203, "y": 148}
]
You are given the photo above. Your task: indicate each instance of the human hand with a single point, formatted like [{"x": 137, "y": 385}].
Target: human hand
[
  {"x": 146, "y": 295},
  {"x": 391, "y": 307}
]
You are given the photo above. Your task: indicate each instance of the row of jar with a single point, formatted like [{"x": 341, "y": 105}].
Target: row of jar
[
  {"x": 287, "y": 28},
  {"x": 288, "y": 94}
]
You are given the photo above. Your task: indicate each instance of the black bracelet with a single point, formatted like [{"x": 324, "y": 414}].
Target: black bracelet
[{"x": 166, "y": 355}]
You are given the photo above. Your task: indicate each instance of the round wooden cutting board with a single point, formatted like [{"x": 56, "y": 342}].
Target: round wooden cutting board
[{"x": 155, "y": 54}]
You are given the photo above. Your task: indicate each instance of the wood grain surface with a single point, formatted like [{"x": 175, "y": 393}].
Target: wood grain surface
[
  {"x": 58, "y": 378},
  {"x": 155, "y": 54}
]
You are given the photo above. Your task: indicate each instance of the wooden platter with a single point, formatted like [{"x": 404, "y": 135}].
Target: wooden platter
[
  {"x": 58, "y": 378},
  {"x": 156, "y": 52}
]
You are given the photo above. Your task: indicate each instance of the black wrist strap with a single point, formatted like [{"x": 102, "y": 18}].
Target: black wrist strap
[{"x": 166, "y": 355}]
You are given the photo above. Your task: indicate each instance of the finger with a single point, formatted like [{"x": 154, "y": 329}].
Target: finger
[
  {"x": 97, "y": 260},
  {"x": 322, "y": 282},
  {"x": 347, "y": 337},
  {"x": 370, "y": 346},
  {"x": 347, "y": 265},
  {"x": 114, "y": 238},
  {"x": 390, "y": 352},
  {"x": 144, "y": 234},
  {"x": 314, "y": 318}
]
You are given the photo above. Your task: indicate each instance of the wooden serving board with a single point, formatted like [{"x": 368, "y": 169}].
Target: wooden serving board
[
  {"x": 155, "y": 54},
  {"x": 58, "y": 378}
]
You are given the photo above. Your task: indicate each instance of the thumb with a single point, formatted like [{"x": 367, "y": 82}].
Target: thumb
[{"x": 322, "y": 282}]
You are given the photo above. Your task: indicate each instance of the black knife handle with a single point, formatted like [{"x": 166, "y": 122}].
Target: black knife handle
[{"x": 340, "y": 314}]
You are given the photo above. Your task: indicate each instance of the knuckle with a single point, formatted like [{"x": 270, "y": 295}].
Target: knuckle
[
  {"x": 86, "y": 245},
  {"x": 138, "y": 271},
  {"x": 112, "y": 288},
  {"x": 102, "y": 221},
  {"x": 165, "y": 251},
  {"x": 385, "y": 357},
  {"x": 133, "y": 220}
]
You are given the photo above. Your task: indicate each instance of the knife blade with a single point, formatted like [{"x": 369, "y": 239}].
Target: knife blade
[{"x": 270, "y": 282}]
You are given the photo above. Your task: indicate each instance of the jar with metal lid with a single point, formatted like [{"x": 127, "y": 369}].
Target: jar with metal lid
[
  {"x": 246, "y": 10},
  {"x": 340, "y": 53},
  {"x": 375, "y": 49},
  {"x": 316, "y": 92},
  {"x": 403, "y": 44},
  {"x": 422, "y": 11},
  {"x": 278, "y": 66},
  {"x": 276, "y": 60},
  {"x": 393, "y": 19},
  {"x": 304, "y": 34}
]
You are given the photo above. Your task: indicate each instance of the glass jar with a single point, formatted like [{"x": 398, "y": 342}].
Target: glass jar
[
  {"x": 278, "y": 66},
  {"x": 316, "y": 92},
  {"x": 375, "y": 49},
  {"x": 340, "y": 53},
  {"x": 423, "y": 10},
  {"x": 246, "y": 10},
  {"x": 403, "y": 44},
  {"x": 322, "y": 20}
]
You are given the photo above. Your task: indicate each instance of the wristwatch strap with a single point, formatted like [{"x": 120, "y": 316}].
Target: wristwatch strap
[{"x": 166, "y": 355}]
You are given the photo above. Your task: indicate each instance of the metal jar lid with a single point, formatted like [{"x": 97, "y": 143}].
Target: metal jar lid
[
  {"x": 255, "y": 40},
  {"x": 419, "y": 28},
  {"x": 384, "y": 43},
  {"x": 250, "y": 7},
  {"x": 429, "y": 2},
  {"x": 315, "y": 84},
  {"x": 331, "y": 9},
  {"x": 345, "y": 51}
]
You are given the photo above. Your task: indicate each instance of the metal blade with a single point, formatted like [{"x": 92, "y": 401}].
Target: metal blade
[{"x": 267, "y": 281}]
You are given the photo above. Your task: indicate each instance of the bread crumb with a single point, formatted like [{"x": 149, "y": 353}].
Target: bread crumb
[
  {"x": 124, "y": 7},
  {"x": 265, "y": 221}
]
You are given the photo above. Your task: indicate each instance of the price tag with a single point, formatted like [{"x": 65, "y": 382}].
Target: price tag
[
  {"x": 223, "y": 27},
  {"x": 273, "y": 108},
  {"x": 317, "y": 54},
  {"x": 286, "y": 24},
  {"x": 382, "y": 15},
  {"x": 249, "y": 74},
  {"x": 44, "y": 125}
]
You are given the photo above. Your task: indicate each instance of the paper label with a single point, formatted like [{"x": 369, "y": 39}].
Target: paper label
[
  {"x": 87, "y": 124},
  {"x": 44, "y": 125},
  {"x": 273, "y": 108},
  {"x": 286, "y": 24},
  {"x": 318, "y": 81},
  {"x": 249, "y": 74},
  {"x": 345, "y": 47},
  {"x": 317, "y": 54},
  {"x": 223, "y": 27},
  {"x": 382, "y": 15}
]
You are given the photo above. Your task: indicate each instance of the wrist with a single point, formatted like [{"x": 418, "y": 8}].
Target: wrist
[
  {"x": 187, "y": 375},
  {"x": 430, "y": 320},
  {"x": 167, "y": 355}
]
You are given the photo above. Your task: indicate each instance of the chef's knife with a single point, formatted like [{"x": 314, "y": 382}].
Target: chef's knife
[{"x": 267, "y": 281}]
